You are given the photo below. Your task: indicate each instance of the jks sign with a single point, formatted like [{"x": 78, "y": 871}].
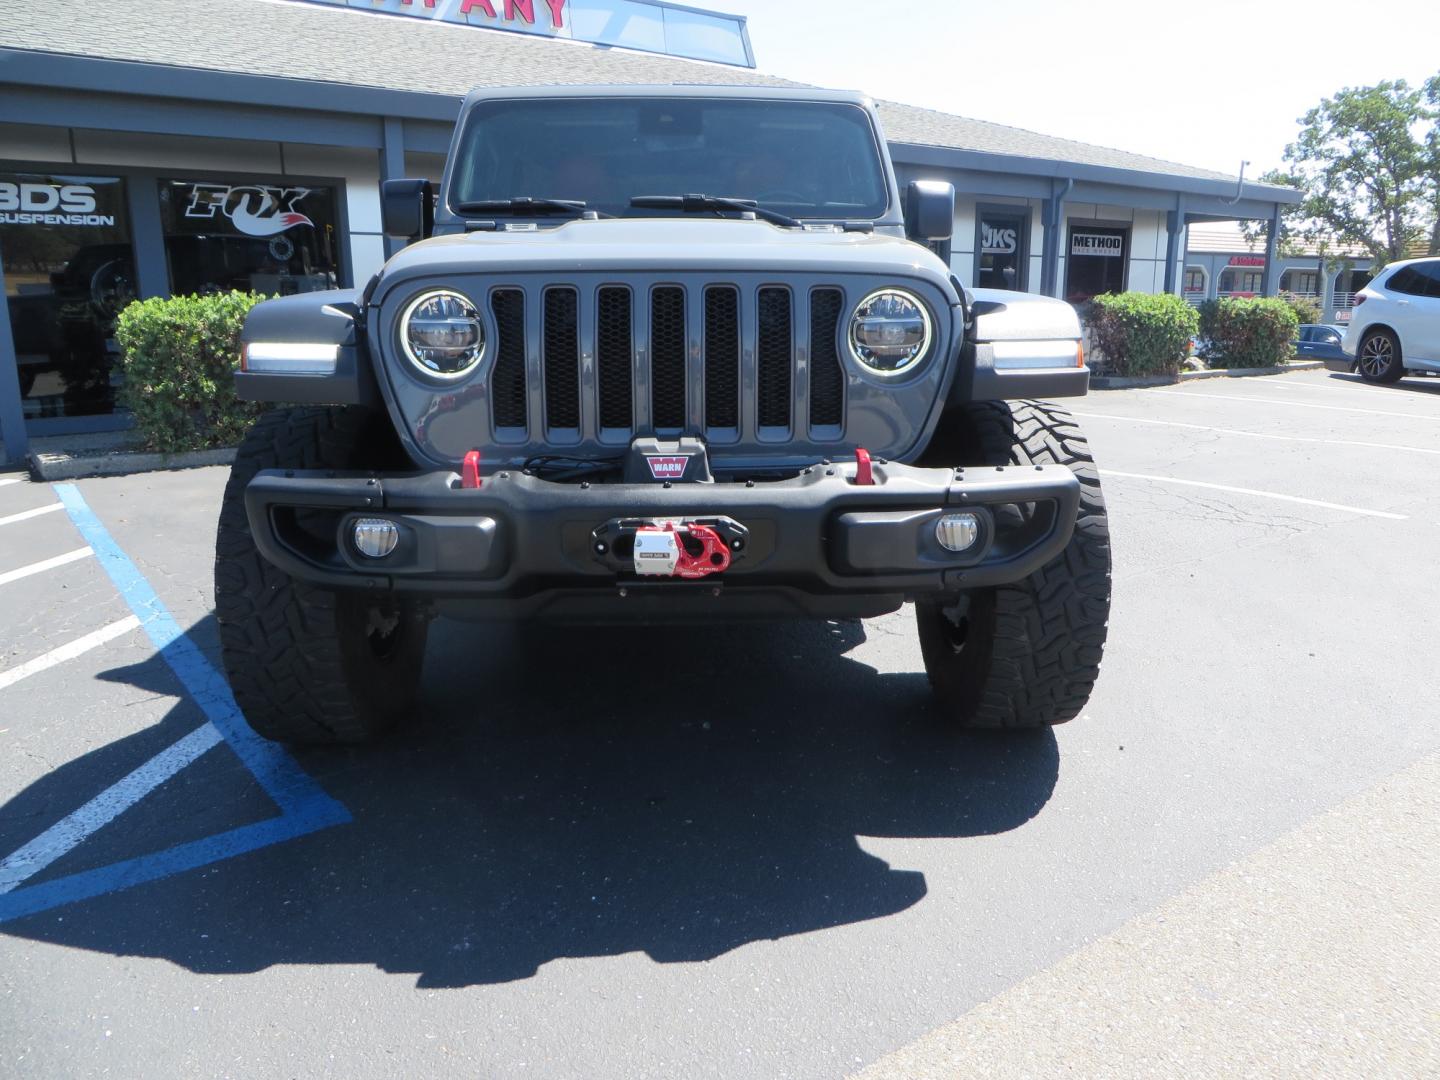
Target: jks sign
[
  {"x": 41, "y": 203},
  {"x": 254, "y": 209},
  {"x": 1102, "y": 244},
  {"x": 999, "y": 239}
]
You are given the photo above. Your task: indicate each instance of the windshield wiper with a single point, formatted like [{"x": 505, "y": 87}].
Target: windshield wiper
[
  {"x": 523, "y": 205},
  {"x": 700, "y": 204}
]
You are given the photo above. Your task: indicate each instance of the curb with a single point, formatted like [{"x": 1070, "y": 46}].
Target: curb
[
  {"x": 1131, "y": 382},
  {"x": 46, "y": 466}
]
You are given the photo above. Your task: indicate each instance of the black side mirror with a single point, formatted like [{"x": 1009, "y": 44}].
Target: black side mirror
[
  {"x": 407, "y": 208},
  {"x": 930, "y": 211}
]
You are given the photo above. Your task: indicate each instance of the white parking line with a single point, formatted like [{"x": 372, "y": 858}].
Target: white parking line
[
  {"x": 1255, "y": 434},
  {"x": 1329, "y": 386},
  {"x": 26, "y": 515},
  {"x": 11, "y": 480},
  {"x": 81, "y": 645},
  {"x": 48, "y": 564},
  {"x": 1258, "y": 494},
  {"x": 1297, "y": 404},
  {"x": 71, "y": 830}
]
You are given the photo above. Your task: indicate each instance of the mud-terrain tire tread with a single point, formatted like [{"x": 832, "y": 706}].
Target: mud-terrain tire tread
[
  {"x": 1040, "y": 640},
  {"x": 281, "y": 639}
]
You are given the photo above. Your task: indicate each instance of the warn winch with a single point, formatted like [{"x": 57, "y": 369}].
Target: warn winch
[{"x": 689, "y": 549}]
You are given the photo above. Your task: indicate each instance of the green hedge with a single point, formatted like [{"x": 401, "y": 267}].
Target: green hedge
[
  {"x": 1242, "y": 333},
  {"x": 178, "y": 356},
  {"x": 1307, "y": 309},
  {"x": 1143, "y": 333}
]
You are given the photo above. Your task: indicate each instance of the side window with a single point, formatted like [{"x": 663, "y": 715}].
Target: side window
[
  {"x": 1430, "y": 274},
  {"x": 1329, "y": 337},
  {"x": 1407, "y": 281}
]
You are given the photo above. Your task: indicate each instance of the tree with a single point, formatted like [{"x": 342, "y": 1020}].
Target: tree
[{"x": 1368, "y": 163}]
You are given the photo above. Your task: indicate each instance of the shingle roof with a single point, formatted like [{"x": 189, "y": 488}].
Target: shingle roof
[
  {"x": 1228, "y": 238},
  {"x": 284, "y": 39}
]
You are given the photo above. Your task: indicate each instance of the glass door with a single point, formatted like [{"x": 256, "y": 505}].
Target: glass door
[
  {"x": 1095, "y": 262},
  {"x": 68, "y": 271}
]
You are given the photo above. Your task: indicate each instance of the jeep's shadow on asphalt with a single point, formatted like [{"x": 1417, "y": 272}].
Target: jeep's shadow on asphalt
[{"x": 568, "y": 793}]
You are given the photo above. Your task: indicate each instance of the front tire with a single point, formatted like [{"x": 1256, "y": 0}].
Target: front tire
[
  {"x": 1027, "y": 654},
  {"x": 310, "y": 665},
  {"x": 1380, "y": 359}
]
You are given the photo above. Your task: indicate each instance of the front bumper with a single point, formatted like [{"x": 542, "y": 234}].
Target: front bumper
[{"x": 521, "y": 540}]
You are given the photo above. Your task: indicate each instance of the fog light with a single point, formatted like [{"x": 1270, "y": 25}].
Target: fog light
[
  {"x": 376, "y": 537},
  {"x": 957, "y": 532}
]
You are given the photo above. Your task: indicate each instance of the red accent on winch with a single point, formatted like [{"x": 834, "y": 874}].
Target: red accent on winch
[
  {"x": 470, "y": 470},
  {"x": 864, "y": 474},
  {"x": 714, "y": 554},
  {"x": 713, "y": 558}
]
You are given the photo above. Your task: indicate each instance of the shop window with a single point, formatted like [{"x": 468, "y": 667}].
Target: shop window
[
  {"x": 1302, "y": 282},
  {"x": 68, "y": 271},
  {"x": 1238, "y": 281},
  {"x": 1000, "y": 261},
  {"x": 251, "y": 236},
  {"x": 1095, "y": 262},
  {"x": 1194, "y": 279}
]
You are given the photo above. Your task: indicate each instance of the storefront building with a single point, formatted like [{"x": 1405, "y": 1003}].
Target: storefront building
[
  {"x": 193, "y": 146},
  {"x": 1220, "y": 260}
]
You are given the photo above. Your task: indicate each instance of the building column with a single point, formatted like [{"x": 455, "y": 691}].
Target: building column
[
  {"x": 12, "y": 414},
  {"x": 1271, "y": 280},
  {"x": 1174, "y": 228},
  {"x": 392, "y": 167},
  {"x": 1054, "y": 211}
]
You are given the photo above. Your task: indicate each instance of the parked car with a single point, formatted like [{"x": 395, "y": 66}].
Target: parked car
[
  {"x": 1395, "y": 329},
  {"x": 1317, "y": 342}
]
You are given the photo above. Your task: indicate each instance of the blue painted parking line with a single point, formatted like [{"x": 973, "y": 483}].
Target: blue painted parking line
[{"x": 304, "y": 805}]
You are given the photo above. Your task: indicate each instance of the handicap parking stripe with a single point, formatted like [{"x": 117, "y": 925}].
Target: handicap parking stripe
[
  {"x": 67, "y": 833},
  {"x": 304, "y": 806}
]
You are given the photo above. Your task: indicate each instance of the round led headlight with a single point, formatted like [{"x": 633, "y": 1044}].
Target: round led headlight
[
  {"x": 442, "y": 334},
  {"x": 890, "y": 332}
]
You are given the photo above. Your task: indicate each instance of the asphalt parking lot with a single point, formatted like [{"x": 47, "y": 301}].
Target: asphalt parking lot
[{"x": 750, "y": 852}]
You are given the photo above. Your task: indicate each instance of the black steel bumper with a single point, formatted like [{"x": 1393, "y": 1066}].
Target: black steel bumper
[{"x": 530, "y": 542}]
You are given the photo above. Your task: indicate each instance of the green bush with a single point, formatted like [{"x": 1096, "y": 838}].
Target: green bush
[
  {"x": 1240, "y": 333},
  {"x": 1306, "y": 308},
  {"x": 178, "y": 356},
  {"x": 1143, "y": 333}
]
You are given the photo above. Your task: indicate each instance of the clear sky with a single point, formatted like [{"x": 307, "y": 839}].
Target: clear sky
[{"x": 1207, "y": 83}]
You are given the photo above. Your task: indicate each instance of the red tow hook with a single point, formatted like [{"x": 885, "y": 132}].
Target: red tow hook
[
  {"x": 864, "y": 474},
  {"x": 470, "y": 470},
  {"x": 713, "y": 558}
]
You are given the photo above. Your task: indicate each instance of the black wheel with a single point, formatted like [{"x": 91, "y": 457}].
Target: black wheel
[
  {"x": 311, "y": 665},
  {"x": 1024, "y": 655},
  {"x": 1379, "y": 358}
]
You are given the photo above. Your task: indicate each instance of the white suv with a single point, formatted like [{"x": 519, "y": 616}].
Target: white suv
[{"x": 1396, "y": 325}]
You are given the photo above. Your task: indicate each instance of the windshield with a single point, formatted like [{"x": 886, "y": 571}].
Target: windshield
[{"x": 802, "y": 158}]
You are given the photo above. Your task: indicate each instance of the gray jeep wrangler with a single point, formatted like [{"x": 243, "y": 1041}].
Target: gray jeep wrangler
[{"x": 660, "y": 354}]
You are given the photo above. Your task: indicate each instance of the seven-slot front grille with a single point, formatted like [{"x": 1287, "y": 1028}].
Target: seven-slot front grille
[{"x": 668, "y": 359}]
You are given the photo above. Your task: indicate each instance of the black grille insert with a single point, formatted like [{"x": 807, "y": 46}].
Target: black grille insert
[
  {"x": 507, "y": 381},
  {"x": 827, "y": 378},
  {"x": 722, "y": 357},
  {"x": 613, "y": 356},
  {"x": 667, "y": 357},
  {"x": 562, "y": 358},
  {"x": 773, "y": 358}
]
